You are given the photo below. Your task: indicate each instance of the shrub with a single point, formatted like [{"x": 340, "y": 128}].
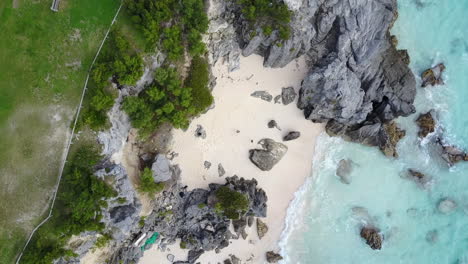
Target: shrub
[
  {"x": 178, "y": 24},
  {"x": 198, "y": 79},
  {"x": 269, "y": 14},
  {"x": 147, "y": 183},
  {"x": 231, "y": 203}
]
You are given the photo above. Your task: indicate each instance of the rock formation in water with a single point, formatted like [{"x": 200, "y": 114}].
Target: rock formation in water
[
  {"x": 426, "y": 123},
  {"x": 372, "y": 237},
  {"x": 433, "y": 76},
  {"x": 358, "y": 79}
]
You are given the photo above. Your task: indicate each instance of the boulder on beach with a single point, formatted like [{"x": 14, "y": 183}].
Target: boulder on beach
[
  {"x": 452, "y": 154},
  {"x": 262, "y": 95},
  {"x": 270, "y": 154},
  {"x": 221, "y": 170},
  {"x": 262, "y": 228},
  {"x": 292, "y": 136},
  {"x": 433, "y": 76},
  {"x": 273, "y": 257},
  {"x": 372, "y": 237},
  {"x": 273, "y": 124},
  {"x": 343, "y": 170},
  {"x": 288, "y": 95},
  {"x": 161, "y": 169},
  {"x": 200, "y": 132}
]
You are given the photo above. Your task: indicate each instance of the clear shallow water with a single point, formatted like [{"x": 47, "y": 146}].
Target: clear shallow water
[{"x": 321, "y": 226}]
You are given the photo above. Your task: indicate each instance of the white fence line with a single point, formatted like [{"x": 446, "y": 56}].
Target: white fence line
[{"x": 67, "y": 149}]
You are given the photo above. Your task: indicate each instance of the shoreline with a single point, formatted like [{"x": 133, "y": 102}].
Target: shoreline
[{"x": 235, "y": 125}]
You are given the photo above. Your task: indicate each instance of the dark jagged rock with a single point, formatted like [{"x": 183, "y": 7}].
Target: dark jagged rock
[
  {"x": 270, "y": 154},
  {"x": 200, "y": 132},
  {"x": 372, "y": 237},
  {"x": 385, "y": 136},
  {"x": 235, "y": 260},
  {"x": 193, "y": 255},
  {"x": 262, "y": 95},
  {"x": 433, "y": 76},
  {"x": 426, "y": 124},
  {"x": 207, "y": 164},
  {"x": 273, "y": 257},
  {"x": 343, "y": 170},
  {"x": 288, "y": 95},
  {"x": 292, "y": 136},
  {"x": 191, "y": 217}
]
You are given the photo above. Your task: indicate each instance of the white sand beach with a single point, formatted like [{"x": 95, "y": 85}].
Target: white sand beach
[{"x": 236, "y": 110}]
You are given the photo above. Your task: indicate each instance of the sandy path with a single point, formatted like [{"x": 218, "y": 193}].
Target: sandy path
[{"x": 237, "y": 110}]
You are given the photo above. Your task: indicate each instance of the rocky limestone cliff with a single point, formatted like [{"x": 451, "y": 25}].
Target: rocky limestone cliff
[{"x": 357, "y": 76}]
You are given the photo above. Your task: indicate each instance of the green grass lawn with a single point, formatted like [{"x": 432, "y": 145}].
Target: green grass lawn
[{"x": 44, "y": 58}]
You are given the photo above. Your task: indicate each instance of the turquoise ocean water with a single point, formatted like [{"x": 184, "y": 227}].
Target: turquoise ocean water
[{"x": 321, "y": 226}]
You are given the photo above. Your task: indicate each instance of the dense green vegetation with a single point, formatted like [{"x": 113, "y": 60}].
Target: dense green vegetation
[
  {"x": 198, "y": 79},
  {"x": 167, "y": 100},
  {"x": 271, "y": 15},
  {"x": 147, "y": 183},
  {"x": 171, "y": 24},
  {"x": 78, "y": 208},
  {"x": 118, "y": 62},
  {"x": 44, "y": 59},
  {"x": 231, "y": 204}
]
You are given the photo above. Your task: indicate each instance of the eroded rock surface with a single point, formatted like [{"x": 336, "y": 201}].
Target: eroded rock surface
[{"x": 191, "y": 217}]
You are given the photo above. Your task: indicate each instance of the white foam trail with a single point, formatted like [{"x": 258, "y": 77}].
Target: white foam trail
[{"x": 323, "y": 158}]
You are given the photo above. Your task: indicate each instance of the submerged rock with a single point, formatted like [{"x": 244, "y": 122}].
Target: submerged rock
[
  {"x": 262, "y": 95},
  {"x": 372, "y": 237},
  {"x": 273, "y": 257},
  {"x": 452, "y": 154},
  {"x": 418, "y": 177},
  {"x": 426, "y": 124},
  {"x": 262, "y": 228},
  {"x": 292, "y": 136},
  {"x": 446, "y": 206},
  {"x": 432, "y": 236},
  {"x": 266, "y": 158},
  {"x": 433, "y": 76},
  {"x": 344, "y": 169},
  {"x": 288, "y": 95}
]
